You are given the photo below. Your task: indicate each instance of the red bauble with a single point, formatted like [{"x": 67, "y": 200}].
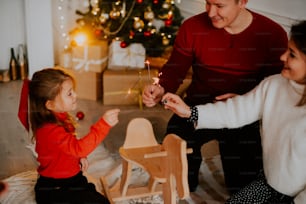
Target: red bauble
[
  {"x": 147, "y": 33},
  {"x": 123, "y": 44},
  {"x": 132, "y": 34},
  {"x": 139, "y": 1},
  {"x": 80, "y": 115},
  {"x": 155, "y": 1},
  {"x": 98, "y": 32},
  {"x": 168, "y": 22}
]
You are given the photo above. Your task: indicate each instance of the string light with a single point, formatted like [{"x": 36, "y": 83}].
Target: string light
[{"x": 64, "y": 40}]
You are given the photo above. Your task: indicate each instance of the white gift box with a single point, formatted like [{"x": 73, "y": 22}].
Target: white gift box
[{"x": 132, "y": 57}]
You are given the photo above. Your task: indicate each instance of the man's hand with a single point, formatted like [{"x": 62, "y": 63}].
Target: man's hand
[{"x": 152, "y": 94}]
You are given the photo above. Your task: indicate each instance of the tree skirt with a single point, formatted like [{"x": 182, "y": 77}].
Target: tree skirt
[{"x": 211, "y": 189}]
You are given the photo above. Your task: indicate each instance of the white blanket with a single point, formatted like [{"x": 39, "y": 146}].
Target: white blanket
[{"x": 211, "y": 189}]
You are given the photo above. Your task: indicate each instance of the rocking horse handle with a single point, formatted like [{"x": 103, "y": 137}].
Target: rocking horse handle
[
  {"x": 163, "y": 154},
  {"x": 189, "y": 150},
  {"x": 155, "y": 154}
]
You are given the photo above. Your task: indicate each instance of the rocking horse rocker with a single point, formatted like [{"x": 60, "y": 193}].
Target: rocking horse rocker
[{"x": 166, "y": 165}]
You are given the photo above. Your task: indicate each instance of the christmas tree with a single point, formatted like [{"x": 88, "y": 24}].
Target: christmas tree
[{"x": 153, "y": 23}]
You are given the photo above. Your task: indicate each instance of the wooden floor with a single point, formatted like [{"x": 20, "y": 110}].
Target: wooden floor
[{"x": 15, "y": 157}]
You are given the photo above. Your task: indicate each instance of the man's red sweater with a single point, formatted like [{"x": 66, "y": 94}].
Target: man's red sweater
[{"x": 223, "y": 62}]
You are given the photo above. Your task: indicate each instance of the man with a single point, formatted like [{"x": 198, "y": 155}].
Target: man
[{"x": 230, "y": 49}]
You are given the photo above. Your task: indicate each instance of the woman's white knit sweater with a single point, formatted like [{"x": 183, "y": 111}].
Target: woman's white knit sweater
[{"x": 283, "y": 128}]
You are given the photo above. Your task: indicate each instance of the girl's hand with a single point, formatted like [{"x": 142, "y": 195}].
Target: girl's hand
[
  {"x": 174, "y": 103},
  {"x": 84, "y": 164},
  {"x": 111, "y": 117}
]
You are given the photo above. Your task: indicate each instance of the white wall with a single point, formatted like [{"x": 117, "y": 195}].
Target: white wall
[
  {"x": 27, "y": 22},
  {"x": 39, "y": 34},
  {"x": 12, "y": 27},
  {"x": 282, "y": 11}
]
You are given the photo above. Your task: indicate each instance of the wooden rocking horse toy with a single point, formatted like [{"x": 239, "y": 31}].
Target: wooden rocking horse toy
[{"x": 166, "y": 165}]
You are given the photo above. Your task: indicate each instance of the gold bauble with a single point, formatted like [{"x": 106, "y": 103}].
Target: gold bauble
[
  {"x": 138, "y": 23},
  {"x": 114, "y": 14},
  {"x": 103, "y": 18},
  {"x": 165, "y": 41},
  {"x": 149, "y": 15}
]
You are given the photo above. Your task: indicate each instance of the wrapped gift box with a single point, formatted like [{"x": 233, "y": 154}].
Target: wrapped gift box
[
  {"x": 91, "y": 57},
  {"x": 88, "y": 83},
  {"x": 157, "y": 62},
  {"x": 132, "y": 57},
  {"x": 124, "y": 87}
]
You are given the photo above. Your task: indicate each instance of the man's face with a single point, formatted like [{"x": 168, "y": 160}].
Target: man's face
[{"x": 223, "y": 13}]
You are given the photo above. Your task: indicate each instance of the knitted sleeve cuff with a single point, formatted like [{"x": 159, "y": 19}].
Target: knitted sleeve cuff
[{"x": 194, "y": 115}]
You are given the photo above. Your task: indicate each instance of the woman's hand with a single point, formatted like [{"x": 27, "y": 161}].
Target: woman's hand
[
  {"x": 174, "y": 103},
  {"x": 111, "y": 116}
]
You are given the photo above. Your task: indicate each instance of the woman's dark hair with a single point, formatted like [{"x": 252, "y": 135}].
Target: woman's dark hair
[
  {"x": 45, "y": 85},
  {"x": 298, "y": 36}
]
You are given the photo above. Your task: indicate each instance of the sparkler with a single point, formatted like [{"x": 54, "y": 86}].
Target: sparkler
[{"x": 147, "y": 62}]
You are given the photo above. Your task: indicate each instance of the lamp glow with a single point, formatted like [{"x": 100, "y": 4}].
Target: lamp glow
[{"x": 80, "y": 39}]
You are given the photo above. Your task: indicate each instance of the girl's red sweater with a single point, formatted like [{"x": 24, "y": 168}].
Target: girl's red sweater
[{"x": 59, "y": 151}]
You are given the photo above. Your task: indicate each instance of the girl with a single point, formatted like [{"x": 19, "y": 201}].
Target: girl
[
  {"x": 59, "y": 152},
  {"x": 280, "y": 103}
]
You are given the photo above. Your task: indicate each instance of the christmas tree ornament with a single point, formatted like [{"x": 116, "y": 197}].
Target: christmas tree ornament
[
  {"x": 103, "y": 17},
  {"x": 153, "y": 31},
  {"x": 132, "y": 34},
  {"x": 147, "y": 33},
  {"x": 166, "y": 5},
  {"x": 81, "y": 22},
  {"x": 114, "y": 14},
  {"x": 140, "y": 1},
  {"x": 149, "y": 14},
  {"x": 95, "y": 11},
  {"x": 168, "y": 22},
  {"x": 165, "y": 41},
  {"x": 138, "y": 23},
  {"x": 123, "y": 44},
  {"x": 155, "y": 1},
  {"x": 98, "y": 32},
  {"x": 80, "y": 115},
  {"x": 170, "y": 14}
]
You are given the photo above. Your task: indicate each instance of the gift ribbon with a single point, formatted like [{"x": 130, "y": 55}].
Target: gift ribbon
[
  {"x": 136, "y": 53},
  {"x": 131, "y": 91},
  {"x": 85, "y": 62}
]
